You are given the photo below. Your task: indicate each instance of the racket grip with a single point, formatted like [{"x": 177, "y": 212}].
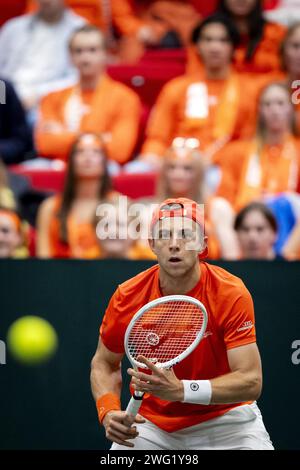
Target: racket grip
[{"x": 134, "y": 405}]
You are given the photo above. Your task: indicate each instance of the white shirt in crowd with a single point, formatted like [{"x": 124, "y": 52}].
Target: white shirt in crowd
[
  {"x": 34, "y": 54},
  {"x": 287, "y": 12}
]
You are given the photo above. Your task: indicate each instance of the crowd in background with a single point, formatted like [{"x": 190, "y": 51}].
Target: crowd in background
[{"x": 223, "y": 129}]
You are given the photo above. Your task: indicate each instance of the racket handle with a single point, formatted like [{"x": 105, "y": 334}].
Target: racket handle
[{"x": 134, "y": 405}]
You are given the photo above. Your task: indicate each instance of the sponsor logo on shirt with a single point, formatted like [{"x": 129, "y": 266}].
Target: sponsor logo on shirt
[{"x": 247, "y": 325}]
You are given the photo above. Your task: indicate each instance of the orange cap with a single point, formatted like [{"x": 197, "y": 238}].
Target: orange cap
[{"x": 180, "y": 207}]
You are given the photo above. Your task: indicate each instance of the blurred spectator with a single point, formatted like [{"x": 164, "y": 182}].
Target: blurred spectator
[
  {"x": 151, "y": 23},
  {"x": 91, "y": 10},
  {"x": 183, "y": 175},
  {"x": 285, "y": 12},
  {"x": 256, "y": 229},
  {"x": 209, "y": 106},
  {"x": 291, "y": 66},
  {"x": 291, "y": 249},
  {"x": 118, "y": 237},
  {"x": 258, "y": 50},
  {"x": 12, "y": 236},
  {"x": 96, "y": 104},
  {"x": 34, "y": 53},
  {"x": 143, "y": 23},
  {"x": 66, "y": 222},
  {"x": 270, "y": 163},
  {"x": 15, "y": 135}
]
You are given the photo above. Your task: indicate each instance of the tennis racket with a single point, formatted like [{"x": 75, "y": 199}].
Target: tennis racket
[{"x": 165, "y": 331}]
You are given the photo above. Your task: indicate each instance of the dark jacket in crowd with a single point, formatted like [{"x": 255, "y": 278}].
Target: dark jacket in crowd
[{"x": 16, "y": 143}]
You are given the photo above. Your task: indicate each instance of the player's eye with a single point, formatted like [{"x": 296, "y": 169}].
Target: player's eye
[
  {"x": 164, "y": 234},
  {"x": 186, "y": 234}
]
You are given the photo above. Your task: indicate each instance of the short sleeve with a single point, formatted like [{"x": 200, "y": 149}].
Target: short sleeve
[
  {"x": 239, "y": 322},
  {"x": 113, "y": 327}
]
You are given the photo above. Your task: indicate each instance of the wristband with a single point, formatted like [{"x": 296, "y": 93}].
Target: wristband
[
  {"x": 197, "y": 391},
  {"x": 106, "y": 403}
]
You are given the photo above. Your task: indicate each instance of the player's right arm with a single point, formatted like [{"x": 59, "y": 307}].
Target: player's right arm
[{"x": 106, "y": 379}]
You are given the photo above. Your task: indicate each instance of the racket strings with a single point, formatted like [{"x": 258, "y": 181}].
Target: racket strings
[{"x": 165, "y": 331}]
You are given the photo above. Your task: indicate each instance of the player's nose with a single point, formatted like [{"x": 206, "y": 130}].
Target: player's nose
[{"x": 174, "y": 243}]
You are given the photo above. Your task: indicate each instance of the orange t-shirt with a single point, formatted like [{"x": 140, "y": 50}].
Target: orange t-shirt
[
  {"x": 82, "y": 242},
  {"x": 230, "y": 325},
  {"x": 193, "y": 106},
  {"x": 112, "y": 109},
  {"x": 275, "y": 165},
  {"x": 266, "y": 58}
]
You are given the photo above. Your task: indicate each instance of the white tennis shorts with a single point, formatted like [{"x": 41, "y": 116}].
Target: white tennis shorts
[{"x": 241, "y": 428}]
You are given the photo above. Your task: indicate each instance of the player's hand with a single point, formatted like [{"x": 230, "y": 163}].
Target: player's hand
[
  {"x": 162, "y": 383},
  {"x": 118, "y": 427}
]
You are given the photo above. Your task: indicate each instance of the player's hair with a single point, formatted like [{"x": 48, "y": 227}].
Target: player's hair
[
  {"x": 255, "y": 207},
  {"x": 69, "y": 191},
  {"x": 260, "y": 125},
  {"x": 291, "y": 30},
  {"x": 256, "y": 24},
  {"x": 87, "y": 28},
  {"x": 228, "y": 24}
]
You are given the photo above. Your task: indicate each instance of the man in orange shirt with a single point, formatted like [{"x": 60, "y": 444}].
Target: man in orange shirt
[
  {"x": 210, "y": 106},
  {"x": 224, "y": 370},
  {"x": 96, "y": 104}
]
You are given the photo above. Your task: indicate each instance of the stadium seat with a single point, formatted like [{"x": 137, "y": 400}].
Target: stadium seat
[{"x": 132, "y": 185}]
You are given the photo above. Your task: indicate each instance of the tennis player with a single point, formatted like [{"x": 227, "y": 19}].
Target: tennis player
[{"x": 207, "y": 401}]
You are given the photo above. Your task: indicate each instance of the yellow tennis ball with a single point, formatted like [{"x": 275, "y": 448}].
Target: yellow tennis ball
[{"x": 32, "y": 340}]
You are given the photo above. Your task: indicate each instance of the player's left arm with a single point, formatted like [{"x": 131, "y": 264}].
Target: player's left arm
[{"x": 244, "y": 382}]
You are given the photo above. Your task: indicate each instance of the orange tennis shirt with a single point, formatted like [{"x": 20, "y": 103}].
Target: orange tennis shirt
[{"x": 230, "y": 325}]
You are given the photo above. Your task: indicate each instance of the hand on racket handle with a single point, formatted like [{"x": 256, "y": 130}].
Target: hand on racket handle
[{"x": 119, "y": 427}]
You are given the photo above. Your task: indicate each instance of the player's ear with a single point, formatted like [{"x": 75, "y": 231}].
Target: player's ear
[{"x": 203, "y": 247}]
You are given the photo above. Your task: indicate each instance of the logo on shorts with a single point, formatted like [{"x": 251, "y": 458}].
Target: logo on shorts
[
  {"x": 194, "y": 386},
  {"x": 152, "y": 339}
]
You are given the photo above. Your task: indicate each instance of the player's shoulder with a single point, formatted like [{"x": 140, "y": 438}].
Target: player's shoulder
[
  {"x": 224, "y": 282},
  {"x": 140, "y": 284},
  {"x": 57, "y": 96},
  {"x": 119, "y": 89},
  {"x": 17, "y": 24},
  {"x": 135, "y": 283},
  {"x": 179, "y": 84}
]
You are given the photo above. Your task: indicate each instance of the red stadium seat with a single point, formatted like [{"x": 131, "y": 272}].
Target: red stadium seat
[
  {"x": 146, "y": 79},
  {"x": 11, "y": 8},
  {"x": 132, "y": 185}
]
